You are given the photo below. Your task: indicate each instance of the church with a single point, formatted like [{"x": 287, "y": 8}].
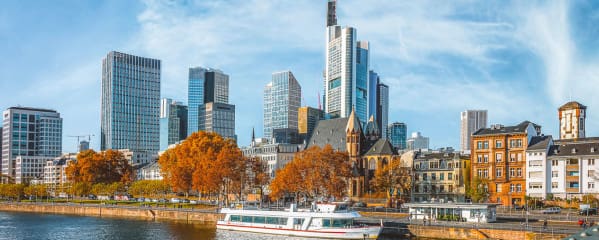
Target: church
[{"x": 366, "y": 148}]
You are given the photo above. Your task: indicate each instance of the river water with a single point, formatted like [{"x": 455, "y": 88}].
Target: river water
[{"x": 15, "y": 225}]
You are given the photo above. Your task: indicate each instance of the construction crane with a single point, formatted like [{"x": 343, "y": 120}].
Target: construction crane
[{"x": 79, "y": 137}]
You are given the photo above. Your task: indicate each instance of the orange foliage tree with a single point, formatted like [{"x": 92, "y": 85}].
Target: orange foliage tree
[
  {"x": 204, "y": 162},
  {"x": 312, "y": 173},
  {"x": 100, "y": 167}
]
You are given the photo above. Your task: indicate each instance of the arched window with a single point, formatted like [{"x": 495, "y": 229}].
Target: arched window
[{"x": 372, "y": 164}]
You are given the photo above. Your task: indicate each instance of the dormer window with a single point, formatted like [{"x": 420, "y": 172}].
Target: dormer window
[
  {"x": 592, "y": 149},
  {"x": 573, "y": 150}
]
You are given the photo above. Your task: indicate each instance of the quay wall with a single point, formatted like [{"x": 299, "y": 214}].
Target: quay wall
[
  {"x": 109, "y": 211},
  {"x": 468, "y": 233}
]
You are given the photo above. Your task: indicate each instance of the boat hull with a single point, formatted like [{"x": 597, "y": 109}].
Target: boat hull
[{"x": 370, "y": 232}]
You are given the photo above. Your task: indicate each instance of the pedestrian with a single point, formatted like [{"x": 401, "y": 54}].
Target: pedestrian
[
  {"x": 584, "y": 225},
  {"x": 545, "y": 224},
  {"x": 580, "y": 222},
  {"x": 424, "y": 221}
]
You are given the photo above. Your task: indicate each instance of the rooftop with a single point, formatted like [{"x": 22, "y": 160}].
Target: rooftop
[
  {"x": 572, "y": 105},
  {"x": 500, "y": 129}
]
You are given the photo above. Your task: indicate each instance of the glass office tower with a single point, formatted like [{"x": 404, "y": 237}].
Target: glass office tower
[
  {"x": 282, "y": 99},
  {"x": 130, "y": 103}
]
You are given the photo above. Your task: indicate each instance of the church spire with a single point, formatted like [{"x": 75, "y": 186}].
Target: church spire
[{"x": 353, "y": 123}]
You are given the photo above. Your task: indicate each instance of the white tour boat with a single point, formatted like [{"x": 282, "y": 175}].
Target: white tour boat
[{"x": 322, "y": 221}]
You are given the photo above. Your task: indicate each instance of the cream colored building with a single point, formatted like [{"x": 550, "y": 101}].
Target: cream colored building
[{"x": 440, "y": 176}]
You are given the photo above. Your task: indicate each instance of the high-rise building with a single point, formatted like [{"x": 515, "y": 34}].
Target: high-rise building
[
  {"x": 307, "y": 119},
  {"x": 418, "y": 142},
  {"x": 205, "y": 85},
  {"x": 130, "y": 103},
  {"x": 572, "y": 120},
  {"x": 397, "y": 133},
  {"x": 471, "y": 121},
  {"x": 173, "y": 125},
  {"x": 373, "y": 81},
  {"x": 282, "y": 99},
  {"x": 218, "y": 118},
  {"x": 30, "y": 133},
  {"x": 195, "y": 97},
  {"x": 346, "y": 70},
  {"x": 382, "y": 104}
]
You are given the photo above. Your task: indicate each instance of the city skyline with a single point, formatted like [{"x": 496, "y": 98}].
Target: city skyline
[{"x": 520, "y": 62}]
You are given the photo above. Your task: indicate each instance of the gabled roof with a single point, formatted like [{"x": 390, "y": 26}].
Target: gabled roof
[
  {"x": 539, "y": 142},
  {"x": 353, "y": 122},
  {"x": 582, "y": 147},
  {"x": 572, "y": 105},
  {"x": 329, "y": 132},
  {"x": 520, "y": 128},
  {"x": 381, "y": 147}
]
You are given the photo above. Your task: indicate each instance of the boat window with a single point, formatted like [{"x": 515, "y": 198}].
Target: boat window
[
  {"x": 342, "y": 222},
  {"x": 259, "y": 219},
  {"x": 247, "y": 219},
  {"x": 298, "y": 221},
  {"x": 235, "y": 218},
  {"x": 326, "y": 222},
  {"x": 276, "y": 220}
]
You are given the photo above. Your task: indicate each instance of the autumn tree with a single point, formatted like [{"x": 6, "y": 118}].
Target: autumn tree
[
  {"x": 478, "y": 190},
  {"x": 204, "y": 162},
  {"x": 38, "y": 190},
  {"x": 100, "y": 167},
  {"x": 394, "y": 178},
  {"x": 314, "y": 172},
  {"x": 149, "y": 188}
]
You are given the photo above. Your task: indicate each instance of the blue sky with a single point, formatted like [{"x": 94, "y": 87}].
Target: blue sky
[{"x": 519, "y": 60}]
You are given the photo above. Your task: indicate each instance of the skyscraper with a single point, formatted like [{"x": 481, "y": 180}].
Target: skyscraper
[
  {"x": 218, "y": 118},
  {"x": 373, "y": 81},
  {"x": 307, "y": 119},
  {"x": 471, "y": 121},
  {"x": 130, "y": 103},
  {"x": 346, "y": 70},
  {"x": 195, "y": 97},
  {"x": 282, "y": 99},
  {"x": 29, "y": 133},
  {"x": 205, "y": 85},
  {"x": 382, "y": 104},
  {"x": 418, "y": 142},
  {"x": 173, "y": 122},
  {"x": 397, "y": 134}
]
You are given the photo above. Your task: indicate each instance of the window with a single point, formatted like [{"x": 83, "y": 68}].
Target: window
[
  {"x": 519, "y": 172},
  {"x": 518, "y": 187},
  {"x": 535, "y": 186},
  {"x": 535, "y": 174},
  {"x": 512, "y": 172},
  {"x": 486, "y": 144},
  {"x": 486, "y": 158},
  {"x": 512, "y": 157},
  {"x": 553, "y": 185},
  {"x": 486, "y": 173},
  {"x": 433, "y": 176},
  {"x": 498, "y": 187},
  {"x": 573, "y": 184},
  {"x": 498, "y": 157},
  {"x": 572, "y": 161},
  {"x": 479, "y": 158},
  {"x": 519, "y": 157},
  {"x": 591, "y": 173},
  {"x": 554, "y": 174},
  {"x": 449, "y": 176},
  {"x": 424, "y": 177},
  {"x": 450, "y": 188},
  {"x": 479, "y": 145},
  {"x": 591, "y": 185},
  {"x": 512, "y": 187},
  {"x": 573, "y": 173},
  {"x": 553, "y": 162},
  {"x": 441, "y": 176},
  {"x": 591, "y": 161},
  {"x": 498, "y": 172},
  {"x": 497, "y": 144},
  {"x": 536, "y": 163},
  {"x": 515, "y": 143}
]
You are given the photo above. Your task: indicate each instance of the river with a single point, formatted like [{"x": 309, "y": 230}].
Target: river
[{"x": 16, "y": 225}]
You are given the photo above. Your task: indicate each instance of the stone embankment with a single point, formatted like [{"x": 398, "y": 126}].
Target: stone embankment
[{"x": 189, "y": 216}]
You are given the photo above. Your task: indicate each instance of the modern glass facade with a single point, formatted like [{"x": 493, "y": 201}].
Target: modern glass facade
[
  {"x": 195, "y": 97},
  {"x": 31, "y": 132},
  {"x": 382, "y": 103},
  {"x": 397, "y": 134},
  {"x": 373, "y": 81},
  {"x": 282, "y": 99},
  {"x": 130, "y": 103},
  {"x": 362, "y": 59},
  {"x": 218, "y": 118},
  {"x": 173, "y": 126},
  {"x": 205, "y": 85}
]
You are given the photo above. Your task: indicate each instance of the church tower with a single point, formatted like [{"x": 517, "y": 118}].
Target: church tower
[{"x": 572, "y": 117}]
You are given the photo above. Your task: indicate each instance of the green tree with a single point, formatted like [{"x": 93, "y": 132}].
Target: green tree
[{"x": 477, "y": 191}]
